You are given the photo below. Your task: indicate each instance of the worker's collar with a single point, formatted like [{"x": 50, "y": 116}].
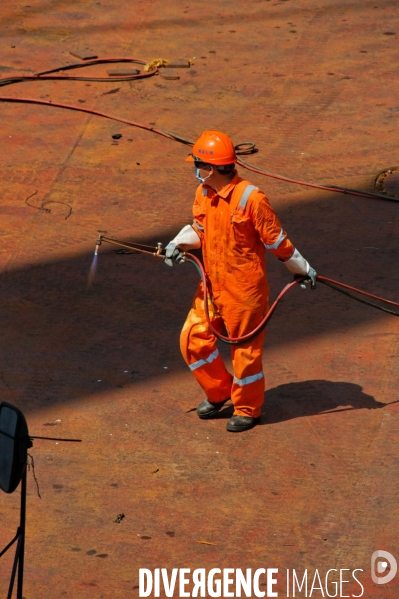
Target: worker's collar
[{"x": 227, "y": 189}]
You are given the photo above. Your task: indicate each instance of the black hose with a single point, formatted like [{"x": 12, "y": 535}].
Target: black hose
[{"x": 358, "y": 299}]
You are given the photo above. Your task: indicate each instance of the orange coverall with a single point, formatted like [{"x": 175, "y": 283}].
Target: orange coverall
[{"x": 235, "y": 226}]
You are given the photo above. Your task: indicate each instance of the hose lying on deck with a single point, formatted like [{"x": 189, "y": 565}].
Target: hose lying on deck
[{"x": 242, "y": 148}]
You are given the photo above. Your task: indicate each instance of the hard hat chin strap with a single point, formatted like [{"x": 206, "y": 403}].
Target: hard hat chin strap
[{"x": 202, "y": 179}]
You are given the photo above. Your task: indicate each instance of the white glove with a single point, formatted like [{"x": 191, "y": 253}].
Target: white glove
[
  {"x": 173, "y": 254},
  {"x": 299, "y": 266},
  {"x": 187, "y": 239}
]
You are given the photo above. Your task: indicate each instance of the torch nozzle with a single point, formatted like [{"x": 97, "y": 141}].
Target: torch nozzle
[{"x": 98, "y": 243}]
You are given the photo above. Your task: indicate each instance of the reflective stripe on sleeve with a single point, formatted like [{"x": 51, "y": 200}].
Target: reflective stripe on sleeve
[
  {"x": 200, "y": 227},
  {"x": 244, "y": 198},
  {"x": 208, "y": 360},
  {"x": 275, "y": 245},
  {"x": 248, "y": 379}
]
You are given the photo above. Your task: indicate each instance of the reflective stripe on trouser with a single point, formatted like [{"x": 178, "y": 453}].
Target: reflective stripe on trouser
[{"x": 198, "y": 346}]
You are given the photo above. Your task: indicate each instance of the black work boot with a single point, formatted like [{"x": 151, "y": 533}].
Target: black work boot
[
  {"x": 237, "y": 424},
  {"x": 208, "y": 409}
]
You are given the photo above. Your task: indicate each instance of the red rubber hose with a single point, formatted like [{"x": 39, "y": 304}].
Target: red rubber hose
[
  {"x": 353, "y": 192},
  {"x": 96, "y": 61},
  {"x": 51, "y": 74},
  {"x": 252, "y": 334},
  {"x": 87, "y": 110},
  {"x": 376, "y": 297},
  {"x": 169, "y": 135},
  {"x": 20, "y": 78},
  {"x": 235, "y": 340},
  {"x": 239, "y": 340}
]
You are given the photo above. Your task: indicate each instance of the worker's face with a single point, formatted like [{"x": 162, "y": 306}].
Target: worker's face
[
  {"x": 206, "y": 170},
  {"x": 203, "y": 172}
]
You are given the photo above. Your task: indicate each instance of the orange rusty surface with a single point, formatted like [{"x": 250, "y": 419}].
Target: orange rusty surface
[{"x": 316, "y": 484}]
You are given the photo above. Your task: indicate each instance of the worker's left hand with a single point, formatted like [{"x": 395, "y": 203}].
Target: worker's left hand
[
  {"x": 310, "y": 278},
  {"x": 173, "y": 254}
]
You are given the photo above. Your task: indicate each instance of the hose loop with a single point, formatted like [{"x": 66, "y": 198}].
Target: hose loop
[
  {"x": 246, "y": 147},
  {"x": 336, "y": 285},
  {"x": 249, "y": 336}
]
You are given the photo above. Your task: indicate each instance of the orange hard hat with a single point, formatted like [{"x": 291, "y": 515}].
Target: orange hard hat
[{"x": 213, "y": 147}]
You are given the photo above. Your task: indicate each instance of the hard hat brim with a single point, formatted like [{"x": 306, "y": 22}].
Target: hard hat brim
[{"x": 220, "y": 162}]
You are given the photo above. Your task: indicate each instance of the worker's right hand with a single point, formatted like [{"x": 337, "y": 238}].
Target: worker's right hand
[
  {"x": 311, "y": 278},
  {"x": 173, "y": 254}
]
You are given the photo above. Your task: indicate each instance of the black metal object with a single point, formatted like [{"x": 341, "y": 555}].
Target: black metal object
[{"x": 14, "y": 444}]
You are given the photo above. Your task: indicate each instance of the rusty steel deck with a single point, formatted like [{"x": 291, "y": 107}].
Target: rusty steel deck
[{"x": 314, "y": 486}]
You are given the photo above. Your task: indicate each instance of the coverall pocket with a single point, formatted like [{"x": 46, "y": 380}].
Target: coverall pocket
[
  {"x": 241, "y": 266},
  {"x": 242, "y": 229}
]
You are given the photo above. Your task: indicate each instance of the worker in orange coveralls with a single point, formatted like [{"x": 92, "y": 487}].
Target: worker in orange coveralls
[{"x": 233, "y": 224}]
